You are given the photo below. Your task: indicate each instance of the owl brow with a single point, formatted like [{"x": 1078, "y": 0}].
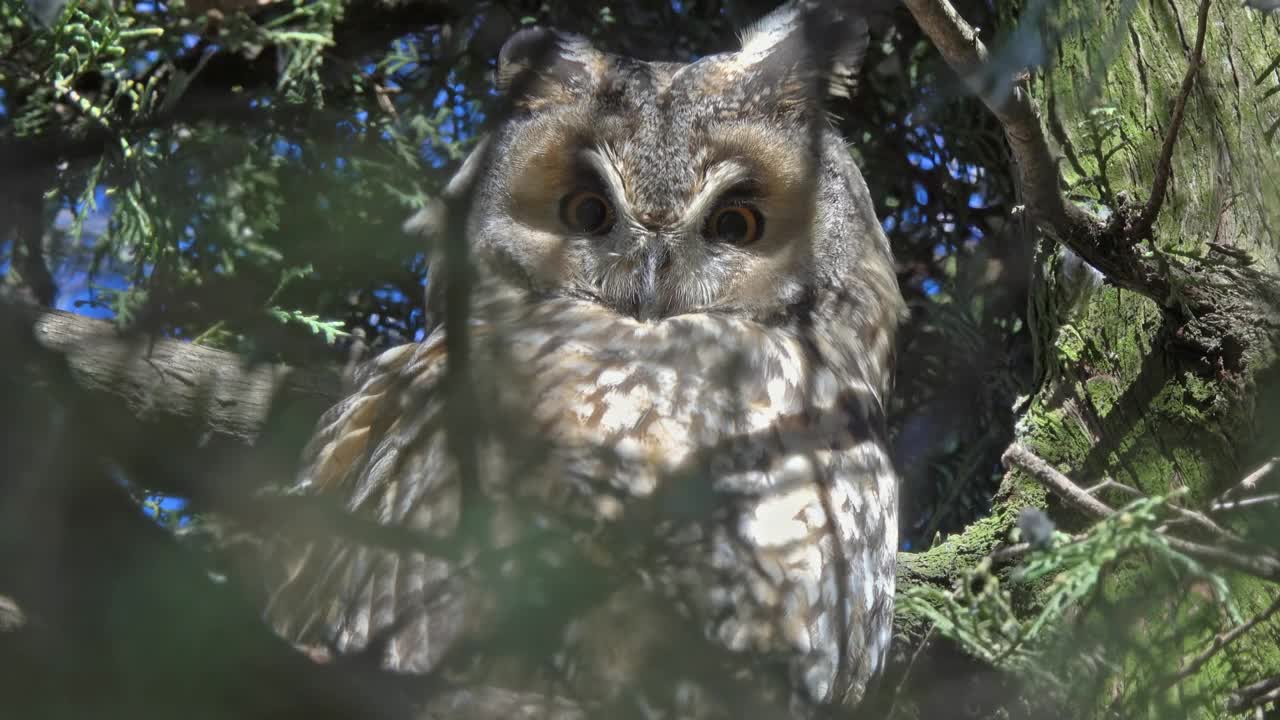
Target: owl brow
[
  {"x": 600, "y": 164},
  {"x": 721, "y": 179}
]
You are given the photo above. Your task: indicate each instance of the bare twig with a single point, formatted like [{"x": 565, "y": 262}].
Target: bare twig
[
  {"x": 1248, "y": 484},
  {"x": 1220, "y": 641},
  {"x": 1246, "y": 502},
  {"x": 1020, "y": 456},
  {"x": 1254, "y": 695},
  {"x": 906, "y": 674},
  {"x": 1108, "y": 483},
  {"x": 1164, "y": 166},
  {"x": 1255, "y": 561},
  {"x": 1196, "y": 518},
  {"x": 1009, "y": 552}
]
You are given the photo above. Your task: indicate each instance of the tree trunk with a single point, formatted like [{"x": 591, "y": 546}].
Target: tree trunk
[{"x": 1160, "y": 391}]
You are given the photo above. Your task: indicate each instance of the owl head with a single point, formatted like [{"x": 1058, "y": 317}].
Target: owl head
[{"x": 662, "y": 189}]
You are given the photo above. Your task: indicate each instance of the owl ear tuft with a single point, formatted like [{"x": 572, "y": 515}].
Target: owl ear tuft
[
  {"x": 539, "y": 63},
  {"x": 806, "y": 46}
]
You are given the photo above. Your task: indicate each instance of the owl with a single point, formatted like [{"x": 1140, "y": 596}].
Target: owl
[{"x": 640, "y": 459}]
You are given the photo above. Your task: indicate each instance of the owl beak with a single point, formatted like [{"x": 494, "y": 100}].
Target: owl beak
[{"x": 650, "y": 305}]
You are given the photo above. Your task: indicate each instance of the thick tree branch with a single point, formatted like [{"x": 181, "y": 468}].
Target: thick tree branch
[
  {"x": 163, "y": 379},
  {"x": 172, "y": 380},
  {"x": 1108, "y": 246},
  {"x": 1036, "y": 168},
  {"x": 1228, "y": 313}
]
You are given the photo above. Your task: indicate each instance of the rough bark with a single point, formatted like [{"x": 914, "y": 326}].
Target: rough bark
[
  {"x": 1162, "y": 381},
  {"x": 162, "y": 379}
]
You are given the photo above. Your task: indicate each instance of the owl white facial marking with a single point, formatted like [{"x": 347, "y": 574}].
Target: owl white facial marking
[{"x": 720, "y": 179}]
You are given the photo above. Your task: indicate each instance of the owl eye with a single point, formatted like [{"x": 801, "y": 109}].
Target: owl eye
[
  {"x": 586, "y": 212},
  {"x": 738, "y": 224}
]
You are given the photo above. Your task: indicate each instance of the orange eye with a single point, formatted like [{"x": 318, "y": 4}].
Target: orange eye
[
  {"x": 586, "y": 212},
  {"x": 736, "y": 224}
]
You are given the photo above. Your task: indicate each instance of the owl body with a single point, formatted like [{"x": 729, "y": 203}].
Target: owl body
[{"x": 680, "y": 339}]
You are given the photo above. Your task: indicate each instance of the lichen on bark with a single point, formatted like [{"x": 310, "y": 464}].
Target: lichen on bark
[{"x": 1157, "y": 394}]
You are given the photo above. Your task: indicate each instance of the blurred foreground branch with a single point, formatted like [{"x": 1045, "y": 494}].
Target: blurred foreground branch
[
  {"x": 177, "y": 383},
  {"x": 160, "y": 378}
]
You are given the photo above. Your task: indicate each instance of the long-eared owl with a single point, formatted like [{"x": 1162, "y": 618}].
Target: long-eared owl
[{"x": 649, "y": 466}]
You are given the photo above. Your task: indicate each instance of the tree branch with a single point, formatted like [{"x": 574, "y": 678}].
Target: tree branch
[
  {"x": 1255, "y": 561},
  {"x": 1037, "y": 170},
  {"x": 1220, "y": 641},
  {"x": 1228, "y": 499},
  {"x": 1164, "y": 167},
  {"x": 1021, "y": 457},
  {"x": 1254, "y": 695},
  {"x": 160, "y": 379},
  {"x": 1107, "y": 246}
]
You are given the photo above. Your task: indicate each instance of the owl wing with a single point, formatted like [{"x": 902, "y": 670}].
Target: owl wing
[
  {"x": 379, "y": 453},
  {"x": 382, "y": 570},
  {"x": 764, "y": 506}
]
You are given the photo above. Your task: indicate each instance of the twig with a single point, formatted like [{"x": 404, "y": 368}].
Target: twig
[
  {"x": 1201, "y": 520},
  {"x": 1164, "y": 166},
  {"x": 304, "y": 518},
  {"x": 1251, "y": 480},
  {"x": 1255, "y": 561},
  {"x": 906, "y": 673},
  {"x": 1009, "y": 552},
  {"x": 1018, "y": 455},
  {"x": 1246, "y": 502},
  {"x": 1220, "y": 641},
  {"x": 1248, "y": 484},
  {"x": 1254, "y": 695},
  {"x": 1191, "y": 516},
  {"x": 1108, "y": 483}
]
